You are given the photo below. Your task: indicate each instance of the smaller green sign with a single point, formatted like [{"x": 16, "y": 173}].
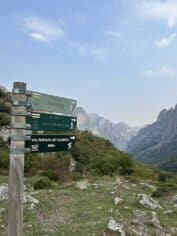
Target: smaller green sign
[
  {"x": 50, "y": 143},
  {"x": 49, "y": 103},
  {"x": 50, "y": 122}
]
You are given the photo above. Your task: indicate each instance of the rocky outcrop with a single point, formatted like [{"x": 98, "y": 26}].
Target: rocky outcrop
[
  {"x": 118, "y": 134},
  {"x": 148, "y": 202}
]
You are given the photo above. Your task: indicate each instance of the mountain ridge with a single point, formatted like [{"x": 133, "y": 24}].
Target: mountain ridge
[
  {"x": 156, "y": 143},
  {"x": 117, "y": 133}
]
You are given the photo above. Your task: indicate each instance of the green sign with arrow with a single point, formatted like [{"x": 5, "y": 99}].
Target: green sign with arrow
[
  {"x": 49, "y": 143},
  {"x": 50, "y": 122}
]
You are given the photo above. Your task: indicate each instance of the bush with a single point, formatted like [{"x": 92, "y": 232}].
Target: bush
[
  {"x": 51, "y": 175},
  {"x": 125, "y": 163},
  {"x": 164, "y": 177},
  {"x": 4, "y": 119},
  {"x": 76, "y": 176},
  {"x": 4, "y": 155},
  {"x": 163, "y": 190},
  {"x": 42, "y": 183},
  {"x": 55, "y": 166}
]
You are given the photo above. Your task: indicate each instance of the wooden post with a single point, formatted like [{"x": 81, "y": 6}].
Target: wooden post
[{"x": 16, "y": 170}]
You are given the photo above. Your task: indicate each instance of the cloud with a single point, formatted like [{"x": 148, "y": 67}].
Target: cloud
[
  {"x": 165, "y": 42},
  {"x": 163, "y": 72},
  {"x": 113, "y": 34},
  {"x": 159, "y": 10},
  {"x": 81, "y": 49},
  {"x": 99, "y": 54},
  {"x": 42, "y": 30}
]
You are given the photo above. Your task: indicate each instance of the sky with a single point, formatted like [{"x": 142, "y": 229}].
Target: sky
[{"x": 117, "y": 58}]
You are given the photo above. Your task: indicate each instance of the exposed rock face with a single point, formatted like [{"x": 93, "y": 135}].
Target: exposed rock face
[
  {"x": 156, "y": 143},
  {"x": 119, "y": 134}
]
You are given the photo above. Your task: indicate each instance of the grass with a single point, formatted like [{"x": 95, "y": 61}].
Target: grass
[{"x": 67, "y": 210}]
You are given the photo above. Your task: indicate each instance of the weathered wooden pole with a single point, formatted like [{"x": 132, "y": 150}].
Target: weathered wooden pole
[{"x": 17, "y": 150}]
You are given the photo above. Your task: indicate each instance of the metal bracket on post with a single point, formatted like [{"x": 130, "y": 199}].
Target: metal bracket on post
[
  {"x": 19, "y": 113},
  {"x": 14, "y": 137},
  {"x": 19, "y": 103},
  {"x": 28, "y": 93},
  {"x": 20, "y": 126},
  {"x": 19, "y": 91},
  {"x": 18, "y": 151}
]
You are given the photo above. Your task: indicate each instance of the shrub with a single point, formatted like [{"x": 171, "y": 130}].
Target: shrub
[
  {"x": 42, "y": 183},
  {"x": 163, "y": 190},
  {"x": 76, "y": 176},
  {"x": 51, "y": 175},
  {"x": 4, "y": 119},
  {"x": 4, "y": 155},
  {"x": 79, "y": 168},
  {"x": 54, "y": 165},
  {"x": 125, "y": 163},
  {"x": 164, "y": 177}
]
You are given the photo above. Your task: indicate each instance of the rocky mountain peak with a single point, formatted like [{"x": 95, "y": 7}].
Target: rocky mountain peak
[
  {"x": 156, "y": 143},
  {"x": 118, "y": 133}
]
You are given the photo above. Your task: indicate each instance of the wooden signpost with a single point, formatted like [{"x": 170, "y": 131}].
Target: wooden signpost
[{"x": 28, "y": 114}]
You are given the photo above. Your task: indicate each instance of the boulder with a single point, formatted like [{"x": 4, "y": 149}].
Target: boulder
[
  {"x": 117, "y": 200},
  {"x": 148, "y": 202},
  {"x": 116, "y": 227}
]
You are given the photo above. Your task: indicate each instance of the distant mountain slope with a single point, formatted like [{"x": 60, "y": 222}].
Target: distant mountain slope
[
  {"x": 118, "y": 134},
  {"x": 156, "y": 144}
]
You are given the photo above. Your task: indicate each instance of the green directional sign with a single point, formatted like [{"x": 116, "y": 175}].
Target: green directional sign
[
  {"x": 50, "y": 122},
  {"x": 50, "y": 143},
  {"x": 45, "y": 102}
]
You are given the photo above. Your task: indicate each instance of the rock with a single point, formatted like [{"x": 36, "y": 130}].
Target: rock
[
  {"x": 126, "y": 187},
  {"x": 82, "y": 185},
  {"x": 174, "y": 200},
  {"x": 155, "y": 221},
  {"x": 117, "y": 200},
  {"x": 140, "y": 218},
  {"x": 116, "y": 227},
  {"x": 167, "y": 212},
  {"x": 148, "y": 202},
  {"x": 3, "y": 193},
  {"x": 118, "y": 181},
  {"x": 133, "y": 185},
  {"x": 110, "y": 210},
  {"x": 72, "y": 165},
  {"x": 2, "y": 210},
  {"x": 26, "y": 197}
]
